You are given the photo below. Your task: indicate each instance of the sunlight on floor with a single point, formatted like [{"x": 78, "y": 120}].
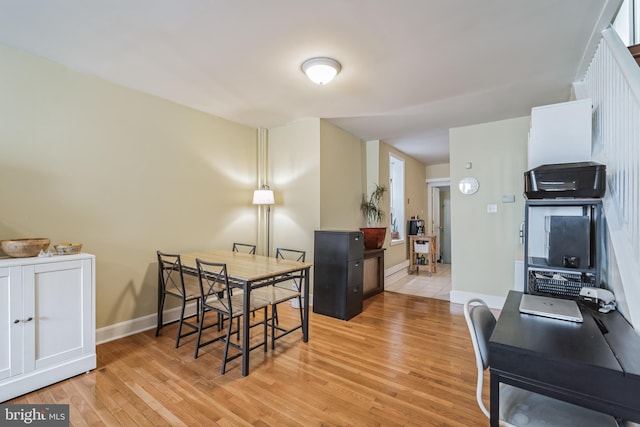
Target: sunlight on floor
[{"x": 436, "y": 285}]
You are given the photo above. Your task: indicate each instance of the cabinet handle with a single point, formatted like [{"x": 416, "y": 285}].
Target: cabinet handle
[{"x": 23, "y": 320}]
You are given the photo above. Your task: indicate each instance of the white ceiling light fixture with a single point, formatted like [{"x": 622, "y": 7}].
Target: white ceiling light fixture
[{"x": 321, "y": 70}]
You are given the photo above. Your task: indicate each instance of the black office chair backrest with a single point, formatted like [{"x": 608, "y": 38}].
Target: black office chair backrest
[
  {"x": 243, "y": 247},
  {"x": 483, "y": 322},
  {"x": 170, "y": 273}
]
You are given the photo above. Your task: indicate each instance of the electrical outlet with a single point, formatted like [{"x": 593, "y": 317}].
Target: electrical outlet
[{"x": 492, "y": 208}]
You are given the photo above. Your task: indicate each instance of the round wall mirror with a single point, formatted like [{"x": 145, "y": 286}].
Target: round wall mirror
[{"x": 468, "y": 185}]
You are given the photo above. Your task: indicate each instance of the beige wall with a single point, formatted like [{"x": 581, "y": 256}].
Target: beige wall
[
  {"x": 437, "y": 171},
  {"x": 415, "y": 199},
  {"x": 314, "y": 168},
  {"x": 122, "y": 172},
  {"x": 127, "y": 173},
  {"x": 483, "y": 244},
  {"x": 341, "y": 178},
  {"x": 294, "y": 170}
]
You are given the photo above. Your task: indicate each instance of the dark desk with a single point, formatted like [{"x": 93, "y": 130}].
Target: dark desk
[{"x": 574, "y": 362}]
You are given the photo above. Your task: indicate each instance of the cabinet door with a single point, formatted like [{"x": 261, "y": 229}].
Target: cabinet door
[
  {"x": 560, "y": 133},
  {"x": 62, "y": 302},
  {"x": 353, "y": 298},
  {"x": 11, "y": 322}
]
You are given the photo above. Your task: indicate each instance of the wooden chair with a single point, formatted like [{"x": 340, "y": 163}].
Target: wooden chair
[
  {"x": 245, "y": 248},
  {"x": 520, "y": 407},
  {"x": 171, "y": 283},
  {"x": 288, "y": 288},
  {"x": 210, "y": 277}
]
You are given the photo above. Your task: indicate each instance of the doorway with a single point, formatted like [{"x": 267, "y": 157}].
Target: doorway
[
  {"x": 445, "y": 224},
  {"x": 439, "y": 222}
]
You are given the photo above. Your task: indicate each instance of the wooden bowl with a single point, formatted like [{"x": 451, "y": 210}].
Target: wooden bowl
[
  {"x": 22, "y": 248},
  {"x": 67, "y": 248}
]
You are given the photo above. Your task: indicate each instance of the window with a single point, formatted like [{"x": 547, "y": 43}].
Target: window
[{"x": 396, "y": 197}]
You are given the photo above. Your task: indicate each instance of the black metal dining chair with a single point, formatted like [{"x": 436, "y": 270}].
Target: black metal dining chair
[
  {"x": 287, "y": 288},
  {"x": 171, "y": 283},
  {"x": 245, "y": 248},
  {"x": 227, "y": 306}
]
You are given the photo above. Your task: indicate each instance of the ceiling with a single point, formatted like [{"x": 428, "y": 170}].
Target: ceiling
[{"x": 411, "y": 69}]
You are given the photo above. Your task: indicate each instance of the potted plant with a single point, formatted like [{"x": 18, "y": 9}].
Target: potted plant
[
  {"x": 395, "y": 234},
  {"x": 370, "y": 207}
]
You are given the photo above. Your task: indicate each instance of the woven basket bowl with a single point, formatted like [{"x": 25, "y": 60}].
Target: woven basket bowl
[
  {"x": 67, "y": 248},
  {"x": 22, "y": 248}
]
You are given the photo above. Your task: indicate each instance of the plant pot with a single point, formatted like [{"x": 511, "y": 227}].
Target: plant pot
[
  {"x": 395, "y": 235},
  {"x": 374, "y": 237}
]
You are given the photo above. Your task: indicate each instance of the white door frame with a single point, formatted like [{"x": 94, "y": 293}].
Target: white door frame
[{"x": 431, "y": 184}]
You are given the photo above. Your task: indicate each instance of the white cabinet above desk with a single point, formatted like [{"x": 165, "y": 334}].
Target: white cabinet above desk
[
  {"x": 560, "y": 133},
  {"x": 47, "y": 321}
]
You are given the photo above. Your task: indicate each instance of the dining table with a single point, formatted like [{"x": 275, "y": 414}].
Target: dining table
[{"x": 248, "y": 272}]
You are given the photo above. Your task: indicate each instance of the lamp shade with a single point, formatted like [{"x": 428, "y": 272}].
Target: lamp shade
[
  {"x": 263, "y": 197},
  {"x": 321, "y": 70}
]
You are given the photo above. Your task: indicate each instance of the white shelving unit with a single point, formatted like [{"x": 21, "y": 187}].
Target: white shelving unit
[{"x": 553, "y": 278}]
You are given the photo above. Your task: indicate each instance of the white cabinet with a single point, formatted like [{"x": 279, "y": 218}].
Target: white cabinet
[
  {"x": 560, "y": 133},
  {"x": 47, "y": 321}
]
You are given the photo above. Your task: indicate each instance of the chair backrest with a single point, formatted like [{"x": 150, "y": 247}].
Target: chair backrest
[
  {"x": 291, "y": 254},
  {"x": 211, "y": 276},
  {"x": 243, "y": 247},
  {"x": 481, "y": 322},
  {"x": 170, "y": 273}
]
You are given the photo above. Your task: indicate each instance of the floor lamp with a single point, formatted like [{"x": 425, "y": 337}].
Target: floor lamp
[{"x": 264, "y": 196}]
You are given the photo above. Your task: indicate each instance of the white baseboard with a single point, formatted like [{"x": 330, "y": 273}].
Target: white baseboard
[
  {"x": 395, "y": 268},
  {"x": 460, "y": 297},
  {"x": 141, "y": 324}
]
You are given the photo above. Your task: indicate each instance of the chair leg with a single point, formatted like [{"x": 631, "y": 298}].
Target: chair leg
[
  {"x": 226, "y": 345},
  {"x": 200, "y": 326},
  {"x": 220, "y": 317},
  {"x": 161, "y": 296},
  {"x": 181, "y": 321},
  {"x": 265, "y": 323},
  {"x": 237, "y": 330},
  {"x": 300, "y": 309},
  {"x": 273, "y": 326}
]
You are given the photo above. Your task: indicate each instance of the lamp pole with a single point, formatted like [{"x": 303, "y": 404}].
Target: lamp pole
[{"x": 268, "y": 230}]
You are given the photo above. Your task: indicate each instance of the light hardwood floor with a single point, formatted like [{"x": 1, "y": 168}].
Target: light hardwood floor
[{"x": 405, "y": 361}]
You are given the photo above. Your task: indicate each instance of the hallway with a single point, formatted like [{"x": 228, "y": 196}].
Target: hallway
[{"x": 438, "y": 285}]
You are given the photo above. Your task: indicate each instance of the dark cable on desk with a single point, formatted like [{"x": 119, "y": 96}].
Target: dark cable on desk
[{"x": 595, "y": 315}]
